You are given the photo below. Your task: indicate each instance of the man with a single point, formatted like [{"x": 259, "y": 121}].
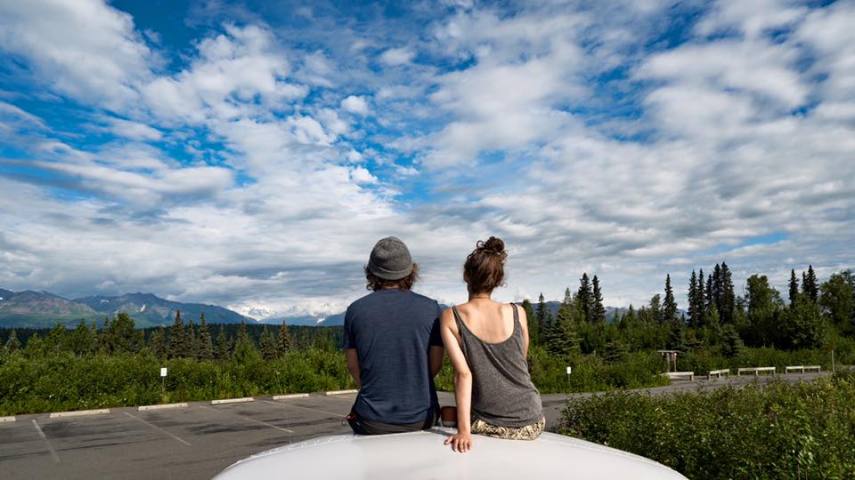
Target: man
[{"x": 393, "y": 346}]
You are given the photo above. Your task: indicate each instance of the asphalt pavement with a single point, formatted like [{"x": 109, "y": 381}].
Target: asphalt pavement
[{"x": 199, "y": 440}]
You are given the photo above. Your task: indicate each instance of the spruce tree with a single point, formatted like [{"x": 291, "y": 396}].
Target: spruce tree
[
  {"x": 284, "y": 342},
  {"x": 794, "y": 288},
  {"x": 701, "y": 300},
  {"x": 13, "y": 344},
  {"x": 598, "y": 310},
  {"x": 268, "y": 346},
  {"x": 223, "y": 351},
  {"x": 655, "y": 308},
  {"x": 157, "y": 343},
  {"x": 178, "y": 347},
  {"x": 727, "y": 301},
  {"x": 710, "y": 298},
  {"x": 584, "y": 298},
  {"x": 192, "y": 335},
  {"x": 534, "y": 332},
  {"x": 694, "y": 320},
  {"x": 245, "y": 350},
  {"x": 669, "y": 307},
  {"x": 811, "y": 288},
  {"x": 541, "y": 316},
  {"x": 206, "y": 344}
]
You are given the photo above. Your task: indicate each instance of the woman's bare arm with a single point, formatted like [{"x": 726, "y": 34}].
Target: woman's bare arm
[
  {"x": 524, "y": 326},
  {"x": 462, "y": 441}
]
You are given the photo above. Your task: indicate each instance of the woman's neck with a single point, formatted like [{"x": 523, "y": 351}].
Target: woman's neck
[{"x": 479, "y": 296}]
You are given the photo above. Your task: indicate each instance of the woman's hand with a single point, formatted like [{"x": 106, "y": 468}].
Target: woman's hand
[{"x": 460, "y": 442}]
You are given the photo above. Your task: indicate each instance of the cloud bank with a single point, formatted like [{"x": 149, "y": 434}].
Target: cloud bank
[{"x": 251, "y": 159}]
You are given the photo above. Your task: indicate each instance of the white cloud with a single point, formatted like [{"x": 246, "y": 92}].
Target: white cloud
[
  {"x": 516, "y": 139},
  {"x": 397, "y": 56},
  {"x": 133, "y": 130},
  {"x": 355, "y": 104},
  {"x": 81, "y": 48}
]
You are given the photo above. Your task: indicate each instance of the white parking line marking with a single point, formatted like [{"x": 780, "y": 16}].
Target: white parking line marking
[
  {"x": 176, "y": 437},
  {"x": 283, "y": 404},
  {"x": 250, "y": 419},
  {"x": 47, "y": 442}
]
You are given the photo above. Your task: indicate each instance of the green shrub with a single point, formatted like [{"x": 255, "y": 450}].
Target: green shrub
[{"x": 780, "y": 431}]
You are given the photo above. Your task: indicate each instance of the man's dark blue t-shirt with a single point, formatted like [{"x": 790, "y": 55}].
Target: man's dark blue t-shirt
[{"x": 392, "y": 331}]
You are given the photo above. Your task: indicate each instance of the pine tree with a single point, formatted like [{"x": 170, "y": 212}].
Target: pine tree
[
  {"x": 731, "y": 343},
  {"x": 810, "y": 287},
  {"x": 710, "y": 298},
  {"x": 655, "y": 308},
  {"x": 284, "y": 342},
  {"x": 245, "y": 349},
  {"x": 157, "y": 343},
  {"x": 124, "y": 337},
  {"x": 177, "y": 338},
  {"x": 541, "y": 315},
  {"x": 13, "y": 344},
  {"x": 192, "y": 335},
  {"x": 669, "y": 308},
  {"x": 267, "y": 342},
  {"x": 223, "y": 345},
  {"x": 584, "y": 298},
  {"x": 794, "y": 288},
  {"x": 727, "y": 301},
  {"x": 534, "y": 332},
  {"x": 206, "y": 344},
  {"x": 701, "y": 302},
  {"x": 694, "y": 314},
  {"x": 598, "y": 310},
  {"x": 615, "y": 351}
]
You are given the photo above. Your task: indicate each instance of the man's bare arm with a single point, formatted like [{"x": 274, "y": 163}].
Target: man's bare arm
[
  {"x": 436, "y": 353},
  {"x": 353, "y": 365}
]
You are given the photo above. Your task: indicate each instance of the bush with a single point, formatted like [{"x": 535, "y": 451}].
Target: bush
[
  {"x": 779, "y": 431},
  {"x": 67, "y": 382}
]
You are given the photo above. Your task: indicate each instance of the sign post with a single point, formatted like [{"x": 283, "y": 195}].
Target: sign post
[{"x": 162, "y": 381}]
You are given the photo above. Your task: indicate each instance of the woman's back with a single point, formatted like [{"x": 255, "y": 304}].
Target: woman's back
[
  {"x": 494, "y": 347},
  {"x": 492, "y": 322}
]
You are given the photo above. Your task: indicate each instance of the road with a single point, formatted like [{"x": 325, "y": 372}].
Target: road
[{"x": 201, "y": 439}]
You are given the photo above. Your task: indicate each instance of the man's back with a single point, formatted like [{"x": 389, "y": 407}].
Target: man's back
[{"x": 392, "y": 331}]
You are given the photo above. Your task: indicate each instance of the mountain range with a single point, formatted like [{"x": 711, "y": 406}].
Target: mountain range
[{"x": 44, "y": 309}]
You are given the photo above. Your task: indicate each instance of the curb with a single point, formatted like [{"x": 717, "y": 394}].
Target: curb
[
  {"x": 7, "y": 419},
  {"x": 162, "y": 406},
  {"x": 79, "y": 413},
  {"x": 340, "y": 392},
  {"x": 232, "y": 400},
  {"x": 290, "y": 395}
]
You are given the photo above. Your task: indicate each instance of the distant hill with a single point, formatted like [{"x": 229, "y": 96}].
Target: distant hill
[
  {"x": 40, "y": 309},
  {"x": 44, "y": 309},
  {"x": 309, "y": 321}
]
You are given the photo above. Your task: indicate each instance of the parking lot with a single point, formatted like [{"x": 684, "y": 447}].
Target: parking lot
[{"x": 201, "y": 439}]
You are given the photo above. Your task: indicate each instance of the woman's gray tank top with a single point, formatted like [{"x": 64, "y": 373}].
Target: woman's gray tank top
[{"x": 502, "y": 391}]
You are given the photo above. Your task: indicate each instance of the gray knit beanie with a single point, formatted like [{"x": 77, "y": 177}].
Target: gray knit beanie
[{"x": 390, "y": 259}]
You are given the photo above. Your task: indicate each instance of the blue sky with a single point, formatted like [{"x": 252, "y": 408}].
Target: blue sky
[{"x": 251, "y": 153}]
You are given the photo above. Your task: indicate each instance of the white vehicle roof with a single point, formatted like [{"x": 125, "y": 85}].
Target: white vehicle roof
[{"x": 422, "y": 455}]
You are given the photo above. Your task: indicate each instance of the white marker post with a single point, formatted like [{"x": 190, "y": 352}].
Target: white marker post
[
  {"x": 162, "y": 381},
  {"x": 569, "y": 371}
]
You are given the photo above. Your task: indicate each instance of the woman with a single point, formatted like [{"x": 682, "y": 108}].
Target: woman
[{"x": 487, "y": 343}]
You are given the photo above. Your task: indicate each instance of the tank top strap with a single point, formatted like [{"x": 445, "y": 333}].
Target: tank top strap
[
  {"x": 458, "y": 319},
  {"x": 517, "y": 324}
]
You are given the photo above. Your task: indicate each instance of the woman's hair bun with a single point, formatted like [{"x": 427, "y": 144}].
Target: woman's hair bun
[{"x": 493, "y": 245}]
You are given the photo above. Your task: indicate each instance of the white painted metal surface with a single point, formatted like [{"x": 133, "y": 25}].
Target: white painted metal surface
[{"x": 422, "y": 455}]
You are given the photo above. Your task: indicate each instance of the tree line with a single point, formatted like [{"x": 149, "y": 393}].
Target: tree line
[
  {"x": 118, "y": 335},
  {"x": 814, "y": 316}
]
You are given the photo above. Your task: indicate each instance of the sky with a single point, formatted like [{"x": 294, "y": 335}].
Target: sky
[{"x": 250, "y": 154}]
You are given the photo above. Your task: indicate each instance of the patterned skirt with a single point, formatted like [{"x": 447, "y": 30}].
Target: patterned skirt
[{"x": 527, "y": 432}]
